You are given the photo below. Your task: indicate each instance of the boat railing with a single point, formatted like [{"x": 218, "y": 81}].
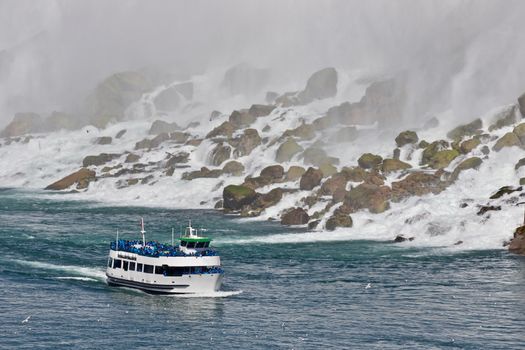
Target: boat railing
[{"x": 156, "y": 249}]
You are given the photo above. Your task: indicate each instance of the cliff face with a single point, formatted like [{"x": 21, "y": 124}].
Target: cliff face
[{"x": 306, "y": 159}]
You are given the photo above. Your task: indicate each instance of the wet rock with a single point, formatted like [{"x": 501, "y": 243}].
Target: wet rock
[
  {"x": 23, "y": 123},
  {"x": 303, "y": 132},
  {"x": 214, "y": 115},
  {"x": 202, "y": 173},
  {"x": 225, "y": 129},
  {"x": 519, "y": 164},
  {"x": 508, "y": 140},
  {"x": 235, "y": 197},
  {"x": 111, "y": 97},
  {"x": 486, "y": 208},
  {"x": 355, "y": 174},
  {"x": 267, "y": 200},
  {"x": 391, "y": 165},
  {"x": 406, "y": 137},
  {"x": 504, "y": 191},
  {"x": 287, "y": 150},
  {"x": 322, "y": 84},
  {"x": 294, "y": 173},
  {"x": 143, "y": 144},
  {"x": 132, "y": 158},
  {"x": 470, "y": 163},
  {"x": 338, "y": 221},
  {"x": 431, "y": 123},
  {"x": 521, "y": 104},
  {"x": 317, "y": 156},
  {"x": 443, "y": 158},
  {"x": 170, "y": 99},
  {"x": 417, "y": 184},
  {"x": 104, "y": 140},
  {"x": 517, "y": 244},
  {"x": 346, "y": 134},
  {"x": 505, "y": 118},
  {"x": 334, "y": 183},
  {"x": 522, "y": 181},
  {"x": 102, "y": 158},
  {"x": 310, "y": 179},
  {"x": 468, "y": 145},
  {"x": 194, "y": 142},
  {"x": 242, "y": 118},
  {"x": 256, "y": 182},
  {"x": 260, "y": 110},
  {"x": 274, "y": 172},
  {"x": 401, "y": 238},
  {"x": 218, "y": 204},
  {"x": 147, "y": 179},
  {"x": 159, "y": 139},
  {"x": 312, "y": 225},
  {"x": 369, "y": 161},
  {"x": 234, "y": 168},
  {"x": 220, "y": 154},
  {"x": 120, "y": 133},
  {"x": 175, "y": 159},
  {"x": 470, "y": 129},
  {"x": 169, "y": 171},
  {"x": 295, "y": 216},
  {"x": 81, "y": 178},
  {"x": 431, "y": 150},
  {"x": 327, "y": 169},
  {"x": 266, "y": 128},
  {"x": 519, "y": 130},
  {"x": 485, "y": 150},
  {"x": 246, "y": 142},
  {"x": 368, "y": 196},
  {"x": 396, "y": 154}
]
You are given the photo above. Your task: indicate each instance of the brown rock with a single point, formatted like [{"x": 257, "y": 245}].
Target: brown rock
[
  {"x": 234, "y": 168},
  {"x": 274, "y": 172},
  {"x": 104, "y": 140},
  {"x": 391, "y": 165},
  {"x": 235, "y": 197},
  {"x": 406, "y": 137},
  {"x": 294, "y": 173},
  {"x": 338, "y": 221},
  {"x": 120, "y": 133},
  {"x": 366, "y": 196},
  {"x": 295, "y": 216},
  {"x": 246, "y": 143},
  {"x": 81, "y": 177},
  {"x": 220, "y": 154},
  {"x": 310, "y": 179},
  {"x": 132, "y": 158},
  {"x": 369, "y": 161},
  {"x": 521, "y": 103},
  {"x": 517, "y": 244},
  {"x": 160, "y": 126},
  {"x": 102, "y": 158},
  {"x": 417, "y": 184},
  {"x": 335, "y": 182},
  {"x": 260, "y": 110},
  {"x": 225, "y": 129}
]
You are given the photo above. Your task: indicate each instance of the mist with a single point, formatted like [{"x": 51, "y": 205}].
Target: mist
[{"x": 460, "y": 55}]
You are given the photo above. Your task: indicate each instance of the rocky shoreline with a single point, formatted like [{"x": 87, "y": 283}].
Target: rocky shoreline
[{"x": 302, "y": 167}]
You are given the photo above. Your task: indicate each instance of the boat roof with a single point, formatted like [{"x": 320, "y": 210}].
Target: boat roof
[{"x": 195, "y": 239}]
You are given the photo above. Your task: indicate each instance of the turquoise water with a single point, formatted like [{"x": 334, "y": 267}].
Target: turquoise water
[{"x": 294, "y": 295}]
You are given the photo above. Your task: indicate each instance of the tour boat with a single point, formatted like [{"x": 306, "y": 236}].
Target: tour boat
[{"x": 191, "y": 267}]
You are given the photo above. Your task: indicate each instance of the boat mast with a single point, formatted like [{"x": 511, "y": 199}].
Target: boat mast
[
  {"x": 172, "y": 238},
  {"x": 143, "y": 232},
  {"x": 116, "y": 243}
]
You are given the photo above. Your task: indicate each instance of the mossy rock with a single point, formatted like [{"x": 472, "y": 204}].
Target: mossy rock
[
  {"x": 470, "y": 129},
  {"x": 367, "y": 196},
  {"x": 505, "y": 118},
  {"x": 234, "y": 168},
  {"x": 423, "y": 144},
  {"x": 287, "y": 150},
  {"x": 369, "y": 161},
  {"x": 443, "y": 158},
  {"x": 235, "y": 197},
  {"x": 519, "y": 130},
  {"x": 317, "y": 156},
  {"x": 468, "y": 145},
  {"x": 303, "y": 132},
  {"x": 294, "y": 173},
  {"x": 522, "y": 181},
  {"x": 338, "y": 221},
  {"x": 508, "y": 140},
  {"x": 391, "y": 165},
  {"x": 406, "y": 137},
  {"x": 328, "y": 169},
  {"x": 431, "y": 150},
  {"x": 470, "y": 163}
]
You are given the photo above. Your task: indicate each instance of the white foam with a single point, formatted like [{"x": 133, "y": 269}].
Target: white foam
[
  {"x": 218, "y": 294},
  {"x": 91, "y": 273}
]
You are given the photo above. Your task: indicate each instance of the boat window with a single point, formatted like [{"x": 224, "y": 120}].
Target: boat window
[
  {"x": 199, "y": 245},
  {"x": 159, "y": 270},
  {"x": 110, "y": 262},
  {"x": 139, "y": 267},
  {"x": 117, "y": 264},
  {"x": 174, "y": 271},
  {"x": 198, "y": 269},
  {"x": 148, "y": 268},
  {"x": 191, "y": 244},
  {"x": 132, "y": 266},
  {"x": 125, "y": 265},
  {"x": 206, "y": 244},
  {"x": 183, "y": 243}
]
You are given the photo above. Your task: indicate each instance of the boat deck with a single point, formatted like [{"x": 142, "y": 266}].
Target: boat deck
[{"x": 156, "y": 249}]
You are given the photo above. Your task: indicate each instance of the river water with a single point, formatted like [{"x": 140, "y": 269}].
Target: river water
[{"x": 277, "y": 293}]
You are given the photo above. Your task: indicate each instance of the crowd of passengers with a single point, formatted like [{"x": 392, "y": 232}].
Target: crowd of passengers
[
  {"x": 156, "y": 249},
  {"x": 162, "y": 270}
]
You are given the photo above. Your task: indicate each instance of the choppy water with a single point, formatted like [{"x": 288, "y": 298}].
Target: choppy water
[{"x": 346, "y": 294}]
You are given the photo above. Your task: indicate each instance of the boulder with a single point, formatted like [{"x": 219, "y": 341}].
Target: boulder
[
  {"x": 235, "y": 197},
  {"x": 102, "y": 158},
  {"x": 521, "y": 104},
  {"x": 242, "y": 118},
  {"x": 505, "y": 118},
  {"x": 417, "y": 184},
  {"x": 294, "y": 173},
  {"x": 346, "y": 134},
  {"x": 220, "y": 154},
  {"x": 401, "y": 238},
  {"x": 369, "y": 161},
  {"x": 295, "y": 216},
  {"x": 517, "y": 244},
  {"x": 519, "y": 130},
  {"x": 470, "y": 129},
  {"x": 267, "y": 200},
  {"x": 367, "y": 196},
  {"x": 175, "y": 159},
  {"x": 322, "y": 84},
  {"x": 338, "y": 221},
  {"x": 143, "y": 144},
  {"x": 170, "y": 99},
  {"x": 483, "y": 209},
  {"x": 485, "y": 150},
  {"x": 391, "y": 165},
  {"x": 443, "y": 158},
  {"x": 178, "y": 137},
  {"x": 355, "y": 174},
  {"x": 111, "y": 97},
  {"x": 159, "y": 139},
  {"x": 104, "y": 140},
  {"x": 505, "y": 190},
  {"x": 508, "y": 140},
  {"x": 333, "y": 184},
  {"x": 261, "y": 110},
  {"x": 274, "y": 172},
  {"x": 23, "y": 123},
  {"x": 327, "y": 169},
  {"x": 246, "y": 142},
  {"x": 161, "y": 126},
  {"x": 470, "y": 163},
  {"x": 81, "y": 178},
  {"x": 256, "y": 182},
  {"x": 120, "y": 133},
  {"x": 214, "y": 115},
  {"x": 430, "y": 150},
  {"x": 423, "y": 144},
  {"x": 132, "y": 158},
  {"x": 225, "y": 129},
  {"x": 468, "y": 145},
  {"x": 287, "y": 150},
  {"x": 202, "y": 173},
  {"x": 406, "y": 137},
  {"x": 396, "y": 154},
  {"x": 519, "y": 164},
  {"x": 310, "y": 179},
  {"x": 234, "y": 168},
  {"x": 317, "y": 156},
  {"x": 303, "y": 132}
]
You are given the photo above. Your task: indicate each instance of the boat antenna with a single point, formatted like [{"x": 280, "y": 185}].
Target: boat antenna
[
  {"x": 116, "y": 242},
  {"x": 172, "y": 239},
  {"x": 143, "y": 232}
]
